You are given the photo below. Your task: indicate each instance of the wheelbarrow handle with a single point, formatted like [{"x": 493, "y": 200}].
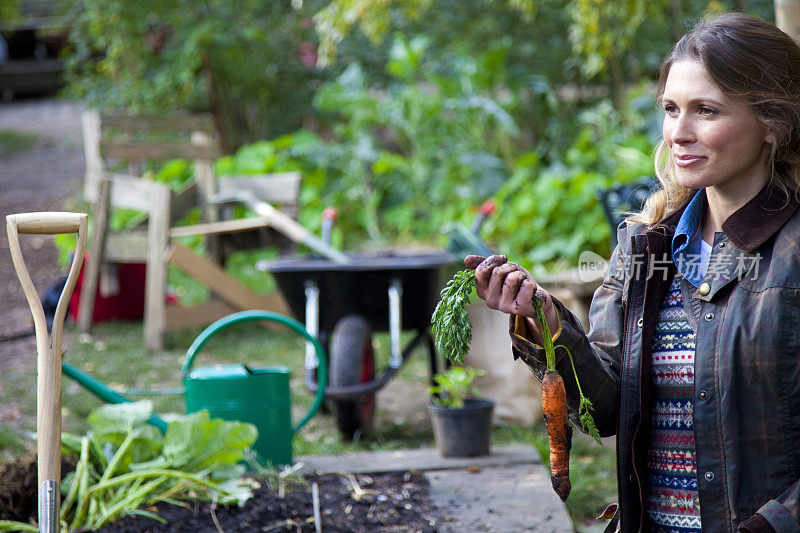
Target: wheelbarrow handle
[{"x": 48, "y": 347}]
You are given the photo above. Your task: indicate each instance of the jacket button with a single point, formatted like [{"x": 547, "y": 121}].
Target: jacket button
[
  {"x": 709, "y": 317},
  {"x": 640, "y": 322},
  {"x": 703, "y": 394},
  {"x": 704, "y": 289},
  {"x": 721, "y": 245},
  {"x": 710, "y": 476}
]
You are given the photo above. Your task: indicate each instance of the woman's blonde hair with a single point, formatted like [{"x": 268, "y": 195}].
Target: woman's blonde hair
[{"x": 751, "y": 60}]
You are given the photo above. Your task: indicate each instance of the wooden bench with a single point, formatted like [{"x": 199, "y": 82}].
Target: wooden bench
[{"x": 151, "y": 238}]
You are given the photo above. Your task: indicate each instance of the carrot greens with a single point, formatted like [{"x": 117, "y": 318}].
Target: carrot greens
[{"x": 452, "y": 328}]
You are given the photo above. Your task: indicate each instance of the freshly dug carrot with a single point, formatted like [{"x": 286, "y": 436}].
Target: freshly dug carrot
[
  {"x": 554, "y": 409},
  {"x": 559, "y": 432}
]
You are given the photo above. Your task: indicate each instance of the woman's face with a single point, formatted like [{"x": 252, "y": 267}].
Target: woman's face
[{"x": 715, "y": 140}]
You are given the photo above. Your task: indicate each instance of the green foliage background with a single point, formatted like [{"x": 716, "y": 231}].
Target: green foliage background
[{"x": 406, "y": 114}]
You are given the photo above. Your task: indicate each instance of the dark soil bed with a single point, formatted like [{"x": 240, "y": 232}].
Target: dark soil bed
[
  {"x": 18, "y": 487},
  {"x": 396, "y": 501},
  {"x": 393, "y": 502}
]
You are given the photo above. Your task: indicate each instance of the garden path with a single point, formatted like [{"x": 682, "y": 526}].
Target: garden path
[{"x": 42, "y": 178}]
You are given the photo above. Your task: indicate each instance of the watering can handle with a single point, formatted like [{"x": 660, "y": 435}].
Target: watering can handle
[{"x": 292, "y": 324}]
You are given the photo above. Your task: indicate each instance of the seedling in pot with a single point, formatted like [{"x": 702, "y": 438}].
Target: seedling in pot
[{"x": 454, "y": 386}]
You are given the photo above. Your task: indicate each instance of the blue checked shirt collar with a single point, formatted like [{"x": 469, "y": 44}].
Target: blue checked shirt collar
[{"x": 686, "y": 246}]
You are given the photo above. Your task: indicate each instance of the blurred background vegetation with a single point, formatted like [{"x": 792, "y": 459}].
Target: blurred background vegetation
[{"x": 406, "y": 114}]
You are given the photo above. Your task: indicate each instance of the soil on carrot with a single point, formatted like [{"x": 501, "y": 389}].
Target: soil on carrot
[{"x": 395, "y": 501}]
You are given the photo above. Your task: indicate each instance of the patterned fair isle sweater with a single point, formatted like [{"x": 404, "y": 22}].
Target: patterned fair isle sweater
[{"x": 672, "y": 502}]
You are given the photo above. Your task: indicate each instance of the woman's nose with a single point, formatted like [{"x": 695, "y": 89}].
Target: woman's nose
[{"x": 681, "y": 130}]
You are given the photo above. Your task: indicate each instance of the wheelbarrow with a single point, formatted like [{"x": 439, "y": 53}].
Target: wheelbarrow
[{"x": 344, "y": 304}]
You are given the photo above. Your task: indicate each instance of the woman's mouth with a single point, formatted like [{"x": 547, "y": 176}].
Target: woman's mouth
[{"x": 687, "y": 160}]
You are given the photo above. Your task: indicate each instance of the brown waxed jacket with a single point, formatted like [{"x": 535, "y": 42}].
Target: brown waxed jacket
[{"x": 747, "y": 364}]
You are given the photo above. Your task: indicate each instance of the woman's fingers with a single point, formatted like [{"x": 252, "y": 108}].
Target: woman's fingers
[
  {"x": 511, "y": 286},
  {"x": 472, "y": 261},
  {"x": 497, "y": 291},
  {"x": 523, "y": 303},
  {"x": 483, "y": 276},
  {"x": 506, "y": 286}
]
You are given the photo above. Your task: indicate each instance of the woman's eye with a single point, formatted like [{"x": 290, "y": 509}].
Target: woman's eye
[
  {"x": 707, "y": 111},
  {"x": 670, "y": 109}
]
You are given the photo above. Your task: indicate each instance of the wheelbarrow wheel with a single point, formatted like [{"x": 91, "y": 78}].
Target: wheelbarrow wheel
[{"x": 352, "y": 361}]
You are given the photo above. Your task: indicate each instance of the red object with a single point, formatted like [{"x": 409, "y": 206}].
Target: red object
[
  {"x": 330, "y": 213},
  {"x": 488, "y": 207},
  {"x": 127, "y": 304}
]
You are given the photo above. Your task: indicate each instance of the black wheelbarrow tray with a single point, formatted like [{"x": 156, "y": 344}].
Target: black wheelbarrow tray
[{"x": 343, "y": 304}]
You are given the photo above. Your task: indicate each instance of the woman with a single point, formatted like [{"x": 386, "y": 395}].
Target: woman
[{"x": 693, "y": 355}]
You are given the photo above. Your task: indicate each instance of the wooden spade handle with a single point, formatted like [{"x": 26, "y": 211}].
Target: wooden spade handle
[
  {"x": 48, "y": 223},
  {"x": 48, "y": 382}
]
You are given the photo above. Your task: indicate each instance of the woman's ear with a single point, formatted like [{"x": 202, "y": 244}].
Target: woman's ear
[{"x": 770, "y": 138}]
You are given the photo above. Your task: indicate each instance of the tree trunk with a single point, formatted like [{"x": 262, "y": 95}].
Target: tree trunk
[
  {"x": 677, "y": 17},
  {"x": 787, "y": 17},
  {"x": 617, "y": 86}
]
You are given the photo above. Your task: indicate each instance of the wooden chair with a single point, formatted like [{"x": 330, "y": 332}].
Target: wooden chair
[{"x": 150, "y": 238}]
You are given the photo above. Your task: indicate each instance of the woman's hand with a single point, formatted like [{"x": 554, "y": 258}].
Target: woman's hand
[{"x": 509, "y": 288}]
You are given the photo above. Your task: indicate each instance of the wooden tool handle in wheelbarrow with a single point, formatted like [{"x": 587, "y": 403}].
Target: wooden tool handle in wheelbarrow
[{"x": 48, "y": 382}]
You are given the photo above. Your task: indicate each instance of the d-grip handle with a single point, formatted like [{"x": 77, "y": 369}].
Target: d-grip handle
[
  {"x": 47, "y": 223},
  {"x": 48, "y": 347}
]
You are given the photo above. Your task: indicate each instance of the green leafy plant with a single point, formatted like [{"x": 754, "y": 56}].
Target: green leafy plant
[
  {"x": 452, "y": 328},
  {"x": 454, "y": 385},
  {"x": 124, "y": 464}
]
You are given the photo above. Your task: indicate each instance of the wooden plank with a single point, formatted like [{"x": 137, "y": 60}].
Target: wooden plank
[
  {"x": 174, "y": 123},
  {"x": 131, "y": 192},
  {"x": 224, "y": 226},
  {"x": 206, "y": 189},
  {"x": 223, "y": 285},
  {"x": 129, "y": 247},
  {"x": 177, "y": 317},
  {"x": 154, "y": 150},
  {"x": 91, "y": 275},
  {"x": 183, "y": 202},
  {"x": 95, "y": 168},
  {"x": 282, "y": 188},
  {"x": 156, "y": 275}
]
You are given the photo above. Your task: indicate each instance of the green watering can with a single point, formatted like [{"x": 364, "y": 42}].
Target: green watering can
[{"x": 260, "y": 396}]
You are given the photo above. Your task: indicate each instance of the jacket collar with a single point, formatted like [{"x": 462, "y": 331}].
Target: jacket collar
[
  {"x": 752, "y": 224},
  {"x": 758, "y": 220}
]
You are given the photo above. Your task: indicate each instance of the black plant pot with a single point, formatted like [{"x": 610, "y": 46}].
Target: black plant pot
[{"x": 462, "y": 432}]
